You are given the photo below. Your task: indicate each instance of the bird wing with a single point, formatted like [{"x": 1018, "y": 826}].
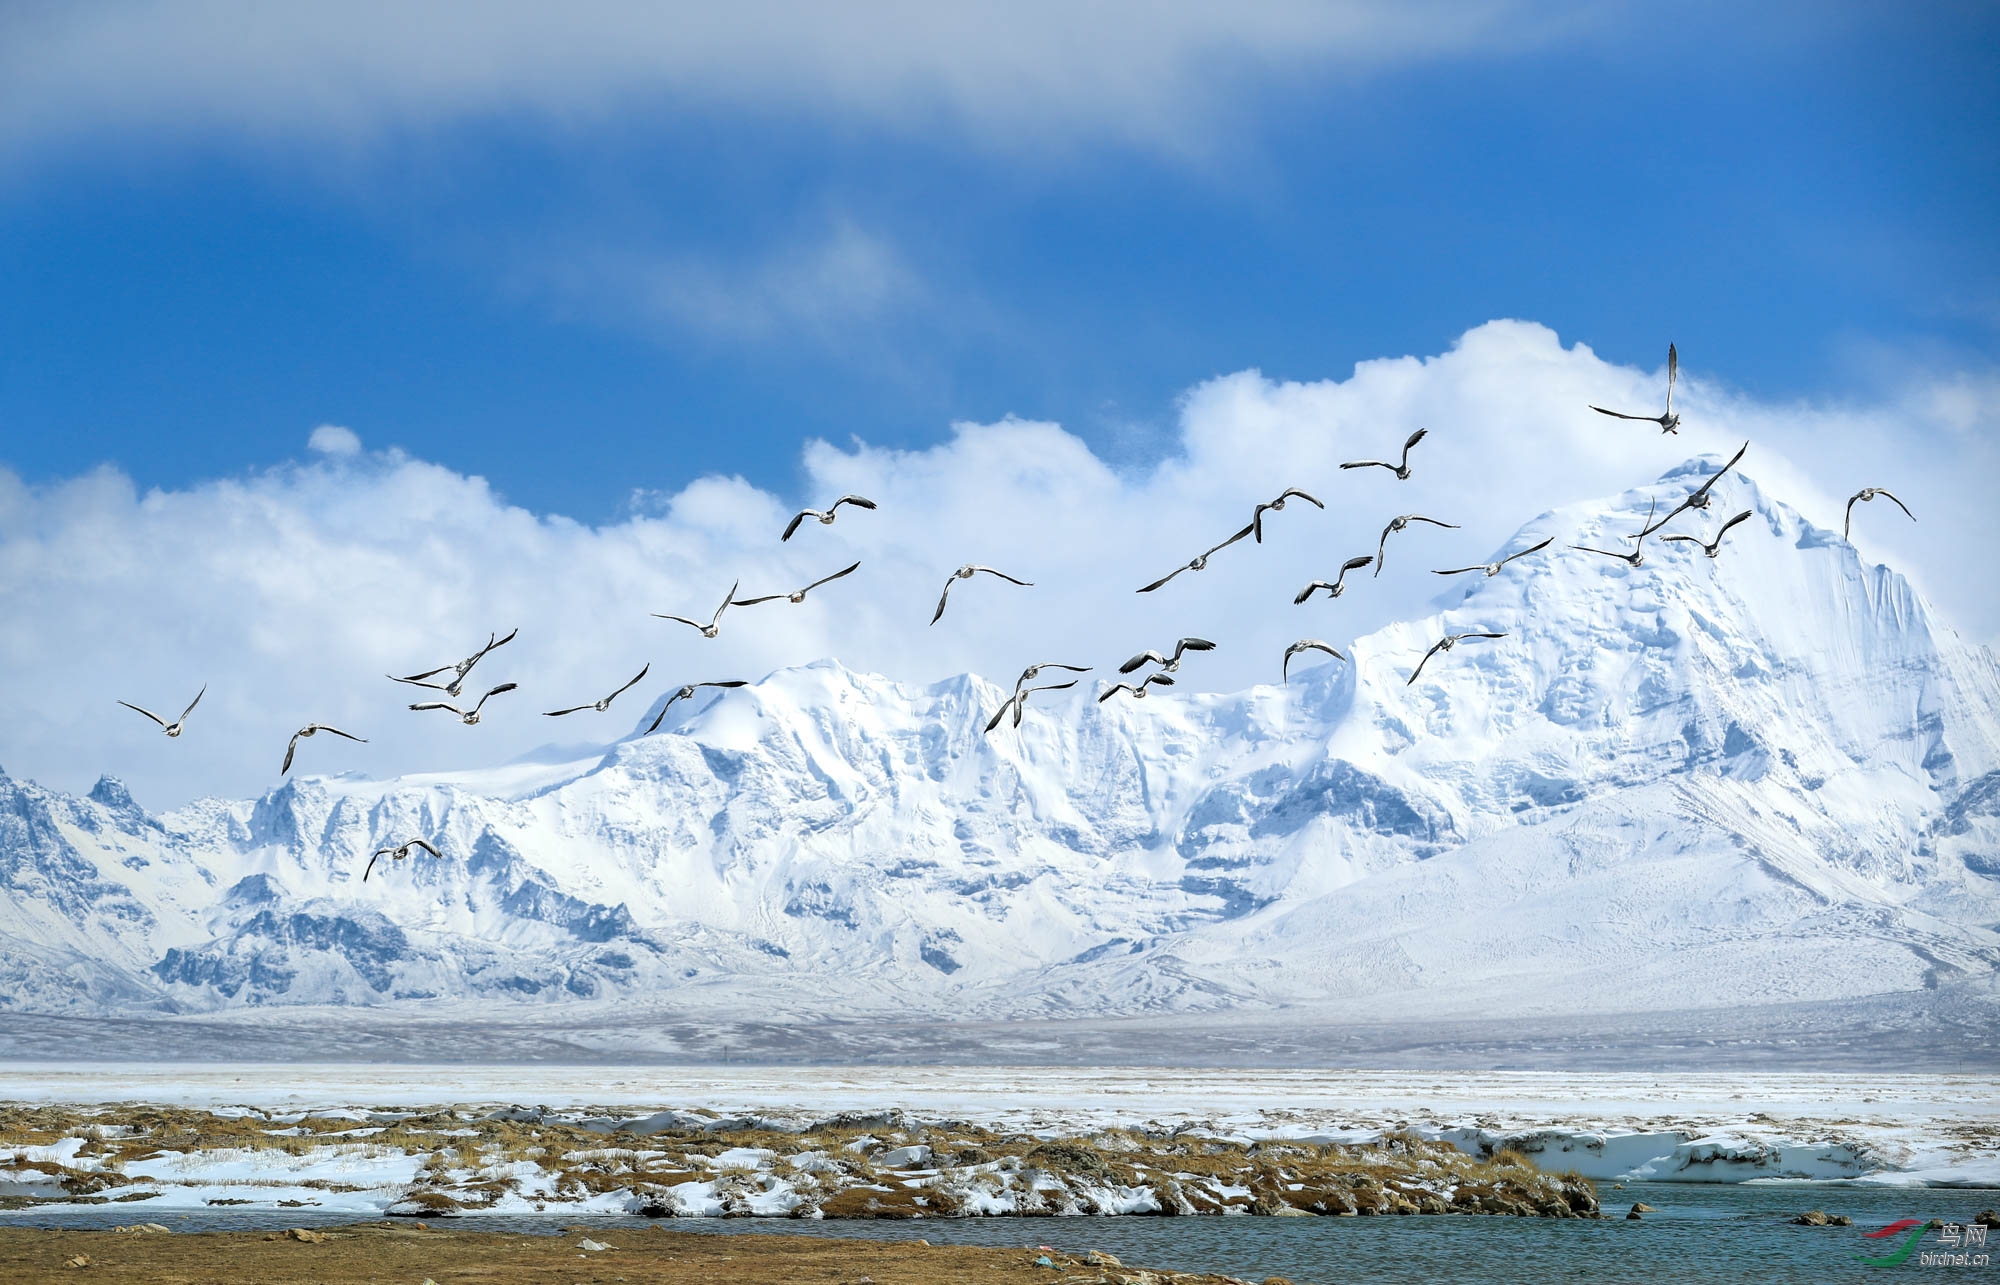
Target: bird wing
[
  {"x": 1113, "y": 690},
  {"x": 989, "y": 571},
  {"x": 716, "y": 619},
  {"x": 1673, "y": 373},
  {"x": 751, "y": 602},
  {"x": 425, "y": 845},
  {"x": 439, "y": 705},
  {"x": 1744, "y": 516},
  {"x": 491, "y": 645},
  {"x": 1460, "y": 570},
  {"x": 634, "y": 683},
  {"x": 288, "y": 753},
  {"x": 726, "y": 682},
  {"x": 574, "y": 709},
  {"x": 662, "y": 715},
  {"x": 204, "y": 687},
  {"x": 1436, "y": 647},
  {"x": 1580, "y": 548},
  {"x": 1355, "y": 564},
  {"x": 1001, "y": 713},
  {"x": 857, "y": 501},
  {"x": 1157, "y": 583},
  {"x": 147, "y": 712},
  {"x": 1534, "y": 548},
  {"x": 1476, "y": 634},
  {"x": 1192, "y": 644},
  {"x": 1418, "y": 517},
  {"x": 491, "y": 693},
  {"x": 793, "y": 525},
  {"x": 695, "y": 624},
  {"x": 1307, "y": 592},
  {"x": 1717, "y": 475},
  {"x": 844, "y": 571},
  {"x": 337, "y": 732},
  {"x": 1672, "y": 513},
  {"x": 1232, "y": 539},
  {"x": 1369, "y": 464},
  {"x": 1878, "y": 490},
  {"x": 1141, "y": 659},
  {"x": 370, "y": 867},
  {"x": 1414, "y": 438},
  {"x": 1650, "y": 419},
  {"x": 1686, "y": 539},
  {"x": 1290, "y": 491},
  {"x": 1164, "y": 680},
  {"x": 946, "y": 597},
  {"x": 419, "y": 678}
]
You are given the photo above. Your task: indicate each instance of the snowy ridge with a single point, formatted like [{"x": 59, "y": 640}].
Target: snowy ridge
[{"x": 1771, "y": 776}]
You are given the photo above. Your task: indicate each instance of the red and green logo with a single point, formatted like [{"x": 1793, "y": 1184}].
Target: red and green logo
[{"x": 1895, "y": 1257}]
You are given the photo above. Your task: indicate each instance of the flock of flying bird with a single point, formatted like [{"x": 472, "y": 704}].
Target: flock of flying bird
[{"x": 1164, "y": 666}]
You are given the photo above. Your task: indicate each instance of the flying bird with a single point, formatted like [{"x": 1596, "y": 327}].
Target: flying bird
[
  {"x": 1201, "y": 561},
  {"x": 1712, "y": 547},
  {"x": 825, "y": 516},
  {"x": 469, "y": 717},
  {"x": 966, "y": 573},
  {"x": 1445, "y": 643},
  {"x": 1308, "y": 644},
  {"x": 601, "y": 705},
  {"x": 1032, "y": 671},
  {"x": 685, "y": 693},
  {"x": 1699, "y": 497},
  {"x": 173, "y": 728},
  {"x": 1397, "y": 524},
  {"x": 306, "y": 733},
  {"x": 1018, "y": 702},
  {"x": 1138, "y": 690},
  {"x": 1493, "y": 568},
  {"x": 396, "y": 852},
  {"x": 1638, "y": 555},
  {"x": 461, "y": 669},
  {"x": 1167, "y": 664},
  {"x": 1863, "y": 495},
  {"x": 797, "y": 595},
  {"x": 1669, "y": 422},
  {"x": 1336, "y": 586},
  {"x": 714, "y": 625},
  {"x": 1277, "y": 505},
  {"x": 1402, "y": 467}
]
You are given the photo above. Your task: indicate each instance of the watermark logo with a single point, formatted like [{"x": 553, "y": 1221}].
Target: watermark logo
[{"x": 1958, "y": 1243}]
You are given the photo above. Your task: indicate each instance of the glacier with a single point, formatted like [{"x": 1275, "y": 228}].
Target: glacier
[{"x": 1770, "y": 778}]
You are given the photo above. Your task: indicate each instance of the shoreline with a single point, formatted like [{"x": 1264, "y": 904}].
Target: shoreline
[{"x": 359, "y": 1252}]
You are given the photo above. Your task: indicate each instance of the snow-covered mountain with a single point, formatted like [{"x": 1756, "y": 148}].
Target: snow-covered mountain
[{"x": 1769, "y": 776}]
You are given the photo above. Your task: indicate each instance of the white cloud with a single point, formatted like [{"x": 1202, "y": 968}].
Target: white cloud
[
  {"x": 332, "y": 439},
  {"x": 294, "y": 591},
  {"x": 1158, "y": 72}
]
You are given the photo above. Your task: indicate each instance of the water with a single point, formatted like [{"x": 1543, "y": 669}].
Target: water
[{"x": 1712, "y": 1232}]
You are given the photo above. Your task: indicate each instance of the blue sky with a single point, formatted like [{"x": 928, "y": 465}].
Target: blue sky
[
  {"x": 603, "y": 291},
  {"x": 577, "y": 296}
]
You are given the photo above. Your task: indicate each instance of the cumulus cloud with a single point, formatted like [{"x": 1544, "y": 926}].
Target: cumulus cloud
[
  {"x": 293, "y": 592},
  {"x": 1156, "y": 72},
  {"x": 332, "y": 439}
]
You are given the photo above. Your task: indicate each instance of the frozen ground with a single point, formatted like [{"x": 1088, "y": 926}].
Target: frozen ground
[
  {"x": 1684, "y": 1126},
  {"x": 1946, "y": 1029}
]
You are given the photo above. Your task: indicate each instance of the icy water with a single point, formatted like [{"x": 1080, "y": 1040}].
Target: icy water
[{"x": 1713, "y": 1232}]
